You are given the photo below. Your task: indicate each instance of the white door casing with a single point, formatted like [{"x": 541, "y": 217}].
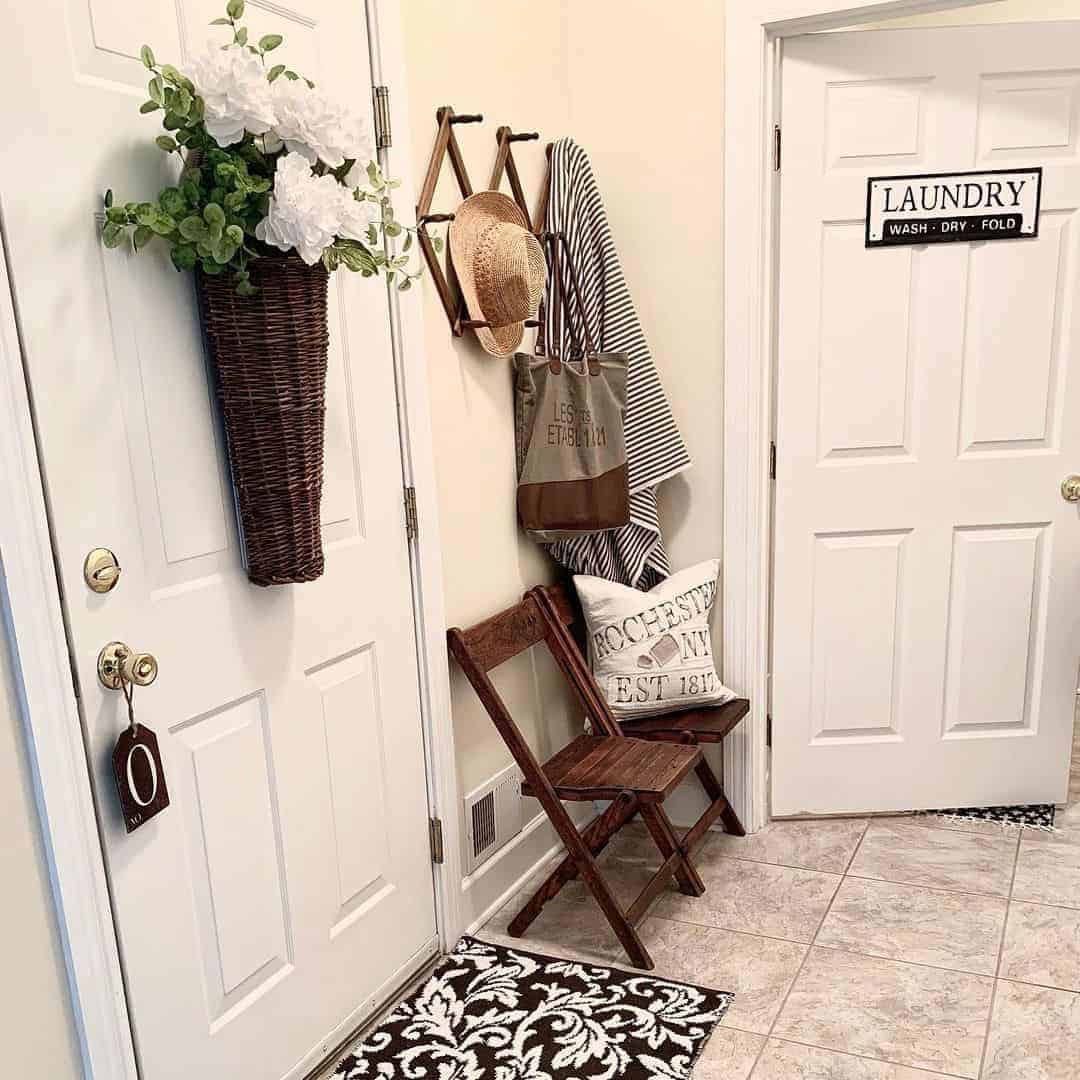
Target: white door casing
[
  {"x": 290, "y": 879},
  {"x": 925, "y": 649}
]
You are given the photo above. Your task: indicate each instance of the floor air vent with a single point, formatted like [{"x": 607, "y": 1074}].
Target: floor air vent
[{"x": 492, "y": 816}]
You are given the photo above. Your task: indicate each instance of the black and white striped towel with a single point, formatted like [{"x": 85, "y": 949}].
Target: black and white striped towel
[{"x": 633, "y": 555}]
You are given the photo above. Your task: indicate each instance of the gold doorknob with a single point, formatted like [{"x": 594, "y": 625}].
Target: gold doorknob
[
  {"x": 117, "y": 664},
  {"x": 1070, "y": 488}
]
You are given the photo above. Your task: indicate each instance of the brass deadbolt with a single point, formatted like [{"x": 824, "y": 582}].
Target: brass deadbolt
[
  {"x": 117, "y": 664},
  {"x": 101, "y": 570}
]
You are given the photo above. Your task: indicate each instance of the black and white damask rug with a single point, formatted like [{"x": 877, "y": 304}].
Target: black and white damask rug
[
  {"x": 1035, "y": 816},
  {"x": 493, "y": 1013}
]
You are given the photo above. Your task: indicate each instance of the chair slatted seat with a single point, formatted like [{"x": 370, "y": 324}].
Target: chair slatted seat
[{"x": 691, "y": 727}]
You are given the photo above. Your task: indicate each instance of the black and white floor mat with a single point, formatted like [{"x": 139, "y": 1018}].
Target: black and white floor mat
[
  {"x": 1035, "y": 816},
  {"x": 493, "y": 1013}
]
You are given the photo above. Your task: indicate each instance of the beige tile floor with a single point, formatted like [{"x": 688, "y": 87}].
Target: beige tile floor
[{"x": 889, "y": 949}]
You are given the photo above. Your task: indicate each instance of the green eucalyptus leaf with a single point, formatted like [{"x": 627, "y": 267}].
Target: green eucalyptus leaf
[
  {"x": 163, "y": 224},
  {"x": 149, "y": 107},
  {"x": 211, "y": 267},
  {"x": 145, "y": 213},
  {"x": 405, "y": 285},
  {"x": 213, "y": 214},
  {"x": 156, "y": 90},
  {"x": 245, "y": 288},
  {"x": 291, "y": 76},
  {"x": 147, "y": 55},
  {"x": 270, "y": 41},
  {"x": 437, "y": 243},
  {"x": 221, "y": 22},
  {"x": 116, "y": 214},
  {"x": 166, "y": 143},
  {"x": 241, "y": 36},
  {"x": 184, "y": 257},
  {"x": 112, "y": 234},
  {"x": 234, "y": 9},
  {"x": 193, "y": 228},
  {"x": 175, "y": 77},
  {"x": 172, "y": 201},
  {"x": 142, "y": 237},
  {"x": 172, "y": 122},
  {"x": 275, "y": 71},
  {"x": 235, "y": 235},
  {"x": 408, "y": 242}
]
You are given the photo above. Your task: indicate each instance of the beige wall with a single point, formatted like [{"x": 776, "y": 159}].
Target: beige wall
[
  {"x": 646, "y": 102},
  {"x": 583, "y": 70},
  {"x": 508, "y": 60},
  {"x": 36, "y": 1027}
]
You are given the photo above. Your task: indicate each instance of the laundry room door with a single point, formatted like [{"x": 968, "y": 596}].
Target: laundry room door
[
  {"x": 288, "y": 885},
  {"x": 927, "y": 566}
]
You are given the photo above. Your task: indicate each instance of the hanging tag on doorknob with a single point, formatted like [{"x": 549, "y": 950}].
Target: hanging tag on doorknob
[{"x": 139, "y": 772}]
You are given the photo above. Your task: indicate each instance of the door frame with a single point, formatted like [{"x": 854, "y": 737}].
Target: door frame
[
  {"x": 754, "y": 31},
  {"x": 32, "y": 628}
]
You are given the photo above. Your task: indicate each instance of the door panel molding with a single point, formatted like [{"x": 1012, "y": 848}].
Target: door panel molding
[
  {"x": 753, "y": 33},
  {"x": 31, "y": 607}
]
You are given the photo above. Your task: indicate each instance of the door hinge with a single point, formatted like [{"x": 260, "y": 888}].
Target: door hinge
[
  {"x": 772, "y": 461},
  {"x": 776, "y": 148},
  {"x": 435, "y": 829},
  {"x": 412, "y": 523},
  {"x": 383, "y": 135},
  {"x": 768, "y": 730}
]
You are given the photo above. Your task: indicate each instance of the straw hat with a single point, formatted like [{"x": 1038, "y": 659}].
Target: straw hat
[{"x": 500, "y": 267}]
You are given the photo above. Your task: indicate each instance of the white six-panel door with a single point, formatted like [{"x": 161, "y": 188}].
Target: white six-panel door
[
  {"x": 260, "y": 915},
  {"x": 927, "y": 570}
]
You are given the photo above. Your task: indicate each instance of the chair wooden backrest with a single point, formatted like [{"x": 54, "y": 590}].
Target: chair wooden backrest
[{"x": 482, "y": 648}]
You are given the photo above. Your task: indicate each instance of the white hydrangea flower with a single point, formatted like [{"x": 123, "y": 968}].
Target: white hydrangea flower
[
  {"x": 309, "y": 123},
  {"x": 356, "y": 215},
  {"x": 306, "y": 211},
  {"x": 233, "y": 86}
]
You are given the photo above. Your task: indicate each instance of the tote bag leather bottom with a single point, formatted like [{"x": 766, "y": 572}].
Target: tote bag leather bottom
[{"x": 575, "y": 506}]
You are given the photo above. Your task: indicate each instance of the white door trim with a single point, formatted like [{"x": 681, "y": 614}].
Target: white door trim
[
  {"x": 752, "y": 34},
  {"x": 30, "y": 605}
]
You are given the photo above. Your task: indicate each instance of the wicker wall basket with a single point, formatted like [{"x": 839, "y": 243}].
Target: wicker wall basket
[{"x": 269, "y": 352}]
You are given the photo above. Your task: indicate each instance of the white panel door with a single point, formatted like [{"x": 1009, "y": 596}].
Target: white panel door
[
  {"x": 290, "y": 880},
  {"x": 927, "y": 569}
]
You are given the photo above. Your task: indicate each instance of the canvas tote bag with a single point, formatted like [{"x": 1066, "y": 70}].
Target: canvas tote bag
[{"x": 569, "y": 413}]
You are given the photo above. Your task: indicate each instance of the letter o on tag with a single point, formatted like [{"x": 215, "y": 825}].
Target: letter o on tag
[{"x": 132, "y": 787}]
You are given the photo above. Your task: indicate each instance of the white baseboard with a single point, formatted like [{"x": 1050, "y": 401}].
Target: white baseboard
[{"x": 483, "y": 893}]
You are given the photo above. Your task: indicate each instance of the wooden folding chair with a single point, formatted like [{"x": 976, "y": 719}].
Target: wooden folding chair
[
  {"x": 691, "y": 727},
  {"x": 634, "y": 774}
]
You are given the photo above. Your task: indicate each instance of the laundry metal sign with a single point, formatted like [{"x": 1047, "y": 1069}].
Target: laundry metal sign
[{"x": 941, "y": 208}]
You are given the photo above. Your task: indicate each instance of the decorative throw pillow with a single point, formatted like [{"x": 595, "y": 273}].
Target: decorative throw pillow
[{"x": 651, "y": 652}]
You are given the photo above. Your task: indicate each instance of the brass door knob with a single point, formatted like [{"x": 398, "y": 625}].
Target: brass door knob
[
  {"x": 117, "y": 664},
  {"x": 1070, "y": 488}
]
